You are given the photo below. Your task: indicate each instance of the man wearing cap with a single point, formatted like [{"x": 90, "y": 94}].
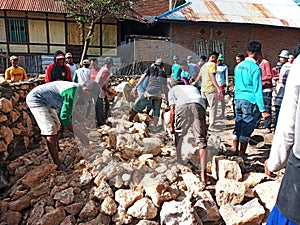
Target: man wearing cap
[
  {"x": 82, "y": 75},
  {"x": 70, "y": 63},
  {"x": 157, "y": 85},
  {"x": 58, "y": 69},
  {"x": 187, "y": 109},
  {"x": 47, "y": 99},
  {"x": 222, "y": 80},
  {"x": 102, "y": 104},
  {"x": 280, "y": 87},
  {"x": 175, "y": 68},
  {"x": 15, "y": 73}
]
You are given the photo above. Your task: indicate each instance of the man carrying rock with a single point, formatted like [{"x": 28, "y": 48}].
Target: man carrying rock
[
  {"x": 46, "y": 100},
  {"x": 188, "y": 109}
]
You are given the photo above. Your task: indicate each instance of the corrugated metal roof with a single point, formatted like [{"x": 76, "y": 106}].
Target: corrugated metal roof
[
  {"x": 285, "y": 13},
  {"x": 33, "y": 6}
]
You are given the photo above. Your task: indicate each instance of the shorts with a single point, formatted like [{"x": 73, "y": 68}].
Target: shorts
[
  {"x": 143, "y": 101},
  {"x": 247, "y": 115},
  {"x": 46, "y": 119}
]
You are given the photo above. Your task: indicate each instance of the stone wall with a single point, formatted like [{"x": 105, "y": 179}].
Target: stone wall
[{"x": 18, "y": 132}]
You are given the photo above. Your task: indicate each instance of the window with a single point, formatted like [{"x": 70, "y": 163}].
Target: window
[
  {"x": 206, "y": 46},
  {"x": 17, "y": 30}
]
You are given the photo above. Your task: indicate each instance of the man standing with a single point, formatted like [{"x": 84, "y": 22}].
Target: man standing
[
  {"x": 94, "y": 68},
  {"x": 157, "y": 85},
  {"x": 285, "y": 151},
  {"x": 82, "y": 75},
  {"x": 15, "y": 73},
  {"x": 102, "y": 104},
  {"x": 248, "y": 97},
  {"x": 267, "y": 88},
  {"x": 175, "y": 68},
  {"x": 58, "y": 69},
  {"x": 188, "y": 110},
  {"x": 46, "y": 100},
  {"x": 70, "y": 63},
  {"x": 209, "y": 87}
]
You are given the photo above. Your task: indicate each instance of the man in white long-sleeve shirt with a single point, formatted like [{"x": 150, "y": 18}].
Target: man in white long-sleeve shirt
[{"x": 285, "y": 151}]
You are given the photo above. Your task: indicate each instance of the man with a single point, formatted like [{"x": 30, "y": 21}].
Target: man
[
  {"x": 280, "y": 86},
  {"x": 285, "y": 151},
  {"x": 194, "y": 68},
  {"x": 175, "y": 68},
  {"x": 223, "y": 81},
  {"x": 46, "y": 100},
  {"x": 209, "y": 87},
  {"x": 15, "y": 73},
  {"x": 157, "y": 85},
  {"x": 70, "y": 63},
  {"x": 248, "y": 97},
  {"x": 267, "y": 88},
  {"x": 94, "y": 68},
  {"x": 82, "y": 75},
  {"x": 188, "y": 110},
  {"x": 102, "y": 104},
  {"x": 58, "y": 69}
]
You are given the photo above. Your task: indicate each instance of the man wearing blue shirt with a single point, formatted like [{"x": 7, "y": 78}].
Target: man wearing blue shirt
[{"x": 248, "y": 98}]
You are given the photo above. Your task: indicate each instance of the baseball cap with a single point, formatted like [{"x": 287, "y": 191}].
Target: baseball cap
[
  {"x": 189, "y": 57},
  {"x": 284, "y": 54},
  {"x": 60, "y": 56},
  {"x": 86, "y": 62},
  {"x": 175, "y": 57},
  {"x": 13, "y": 57},
  {"x": 220, "y": 57},
  {"x": 108, "y": 60},
  {"x": 69, "y": 55},
  {"x": 158, "y": 62}
]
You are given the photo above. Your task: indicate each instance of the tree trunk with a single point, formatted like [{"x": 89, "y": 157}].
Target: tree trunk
[{"x": 87, "y": 41}]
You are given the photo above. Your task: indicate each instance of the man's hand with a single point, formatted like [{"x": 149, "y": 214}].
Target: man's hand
[
  {"x": 267, "y": 171},
  {"x": 172, "y": 131},
  {"x": 265, "y": 114}
]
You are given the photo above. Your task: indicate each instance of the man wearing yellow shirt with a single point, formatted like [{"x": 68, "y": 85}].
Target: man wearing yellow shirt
[
  {"x": 209, "y": 87},
  {"x": 15, "y": 73}
]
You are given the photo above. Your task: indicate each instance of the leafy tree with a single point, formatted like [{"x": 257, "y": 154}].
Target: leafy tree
[{"x": 89, "y": 12}]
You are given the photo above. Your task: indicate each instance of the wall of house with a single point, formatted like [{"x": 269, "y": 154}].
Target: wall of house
[{"x": 236, "y": 37}]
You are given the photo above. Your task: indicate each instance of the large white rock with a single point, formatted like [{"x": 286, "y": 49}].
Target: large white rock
[
  {"x": 193, "y": 183},
  {"x": 66, "y": 196},
  {"x": 143, "y": 209},
  {"x": 108, "y": 206},
  {"x": 267, "y": 193},
  {"x": 103, "y": 191},
  {"x": 160, "y": 193},
  {"x": 127, "y": 197}
]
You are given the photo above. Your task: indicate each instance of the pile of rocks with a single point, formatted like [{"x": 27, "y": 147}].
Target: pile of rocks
[{"x": 130, "y": 176}]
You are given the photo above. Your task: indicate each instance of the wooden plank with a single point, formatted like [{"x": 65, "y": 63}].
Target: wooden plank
[
  {"x": 38, "y": 48},
  {"x": 2, "y": 30},
  {"x": 18, "y": 48},
  {"x": 57, "y": 32},
  {"x": 95, "y": 41},
  {"x": 109, "y": 35},
  {"x": 36, "y": 15},
  {"x": 37, "y": 31},
  {"x": 109, "y": 20},
  {"x": 56, "y": 16},
  {"x": 74, "y": 34},
  {"x": 94, "y": 51},
  {"x": 109, "y": 52},
  {"x": 55, "y": 48},
  {"x": 15, "y": 14}
]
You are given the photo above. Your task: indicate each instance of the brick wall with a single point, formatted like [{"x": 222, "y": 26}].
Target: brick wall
[
  {"x": 236, "y": 37},
  {"x": 153, "y": 7}
]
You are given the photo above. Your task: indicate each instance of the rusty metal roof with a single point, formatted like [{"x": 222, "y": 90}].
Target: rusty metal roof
[
  {"x": 33, "y": 6},
  {"x": 284, "y": 13}
]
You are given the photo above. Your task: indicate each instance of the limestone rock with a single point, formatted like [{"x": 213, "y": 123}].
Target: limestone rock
[
  {"x": 143, "y": 209},
  {"x": 127, "y": 197},
  {"x": 147, "y": 222},
  {"x": 267, "y": 193},
  {"x": 37, "y": 212},
  {"x": 108, "y": 206},
  {"x": 36, "y": 176},
  {"x": 250, "y": 213},
  {"x": 54, "y": 217},
  {"x": 230, "y": 170},
  {"x": 174, "y": 212},
  {"x": 121, "y": 217},
  {"x": 100, "y": 219},
  {"x": 69, "y": 220},
  {"x": 152, "y": 146},
  {"x": 3, "y": 118},
  {"x": 193, "y": 183},
  {"x": 74, "y": 208},
  {"x": 14, "y": 115},
  {"x": 103, "y": 191},
  {"x": 89, "y": 210},
  {"x": 206, "y": 208},
  {"x": 85, "y": 178},
  {"x": 160, "y": 193},
  {"x": 110, "y": 170},
  {"x": 20, "y": 204},
  {"x": 252, "y": 179},
  {"x": 13, "y": 217},
  {"x": 66, "y": 196},
  {"x": 229, "y": 191},
  {"x": 7, "y": 134},
  {"x": 6, "y": 105}
]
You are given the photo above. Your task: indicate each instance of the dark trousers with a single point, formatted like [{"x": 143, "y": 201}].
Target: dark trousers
[
  {"x": 102, "y": 106},
  {"x": 267, "y": 96}
]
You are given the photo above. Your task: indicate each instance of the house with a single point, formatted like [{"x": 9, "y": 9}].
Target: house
[
  {"x": 228, "y": 25},
  {"x": 34, "y": 30}
]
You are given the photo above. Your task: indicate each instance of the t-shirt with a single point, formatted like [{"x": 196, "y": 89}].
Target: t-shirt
[
  {"x": 157, "y": 81},
  {"x": 72, "y": 67},
  {"x": 184, "y": 94},
  {"x": 176, "y": 71},
  {"x": 82, "y": 76},
  {"x": 94, "y": 73},
  {"x": 222, "y": 75},
  {"x": 102, "y": 79},
  {"x": 205, "y": 71},
  {"x": 59, "y": 95},
  {"x": 15, "y": 74}
]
